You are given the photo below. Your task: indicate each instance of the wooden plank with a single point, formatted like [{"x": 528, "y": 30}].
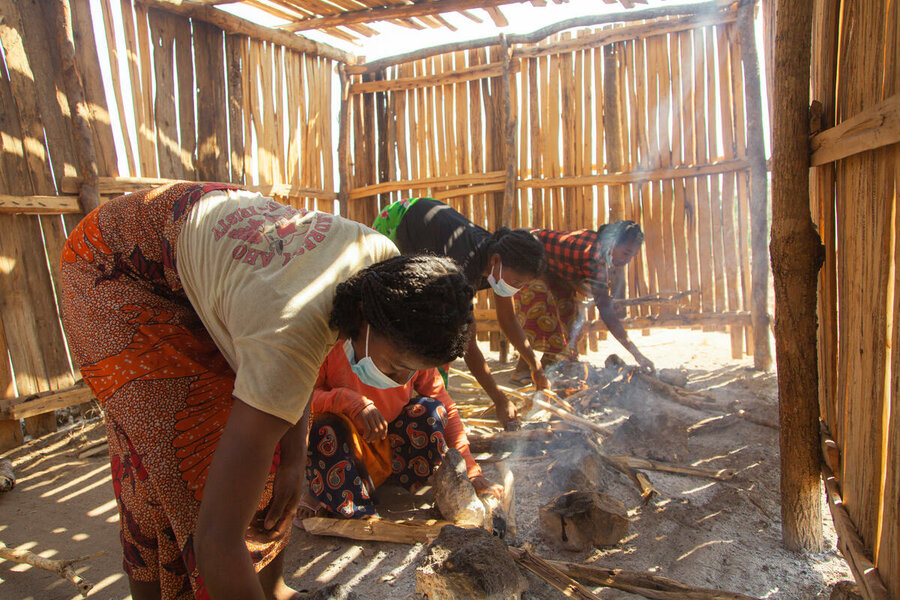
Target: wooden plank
[
  {"x": 875, "y": 127},
  {"x": 552, "y": 139},
  {"x": 476, "y": 134},
  {"x": 667, "y": 279},
  {"x": 39, "y": 205},
  {"x": 187, "y": 121},
  {"x": 167, "y": 144},
  {"x": 106, "y": 7},
  {"x": 680, "y": 117},
  {"x": 704, "y": 233},
  {"x": 30, "y": 406},
  {"x": 439, "y": 79},
  {"x": 234, "y": 52},
  {"x": 146, "y": 148},
  {"x": 116, "y": 186},
  {"x": 715, "y": 202},
  {"x": 612, "y": 129},
  {"x": 248, "y": 102},
  {"x": 212, "y": 138},
  {"x": 569, "y": 196},
  {"x": 685, "y": 44},
  {"x": 689, "y": 320},
  {"x": 148, "y": 129}
]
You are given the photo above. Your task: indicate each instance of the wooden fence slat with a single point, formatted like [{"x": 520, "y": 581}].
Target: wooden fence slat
[
  {"x": 116, "y": 80},
  {"x": 212, "y": 136},
  {"x": 147, "y": 128},
  {"x": 678, "y": 208},
  {"x": 234, "y": 45},
  {"x": 167, "y": 145},
  {"x": 187, "y": 121},
  {"x": 704, "y": 234},
  {"x": 715, "y": 205}
]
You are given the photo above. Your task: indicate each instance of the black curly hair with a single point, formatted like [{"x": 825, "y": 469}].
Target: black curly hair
[
  {"x": 620, "y": 232},
  {"x": 421, "y": 303},
  {"x": 519, "y": 249}
]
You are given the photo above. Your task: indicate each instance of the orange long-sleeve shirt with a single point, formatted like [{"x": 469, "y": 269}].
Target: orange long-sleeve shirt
[{"x": 339, "y": 390}]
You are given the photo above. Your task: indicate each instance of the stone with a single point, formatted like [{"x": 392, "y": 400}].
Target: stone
[
  {"x": 468, "y": 564},
  {"x": 583, "y": 520},
  {"x": 657, "y": 436},
  {"x": 454, "y": 494}
]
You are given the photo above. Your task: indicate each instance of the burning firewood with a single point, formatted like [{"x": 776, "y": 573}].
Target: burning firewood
[{"x": 552, "y": 575}]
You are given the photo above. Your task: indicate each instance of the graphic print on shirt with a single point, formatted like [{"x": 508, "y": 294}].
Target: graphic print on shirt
[{"x": 272, "y": 231}]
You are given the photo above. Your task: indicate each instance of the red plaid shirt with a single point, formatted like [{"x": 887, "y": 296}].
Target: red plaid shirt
[{"x": 574, "y": 257}]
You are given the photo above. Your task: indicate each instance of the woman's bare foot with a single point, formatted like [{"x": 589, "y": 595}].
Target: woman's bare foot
[{"x": 308, "y": 507}]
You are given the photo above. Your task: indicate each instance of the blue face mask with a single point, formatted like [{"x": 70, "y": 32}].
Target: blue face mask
[
  {"x": 500, "y": 287},
  {"x": 366, "y": 370}
]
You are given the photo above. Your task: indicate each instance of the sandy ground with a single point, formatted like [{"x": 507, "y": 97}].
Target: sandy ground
[{"x": 720, "y": 534}]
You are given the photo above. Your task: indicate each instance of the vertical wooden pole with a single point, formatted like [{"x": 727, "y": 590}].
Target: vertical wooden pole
[
  {"x": 797, "y": 255},
  {"x": 612, "y": 129},
  {"x": 381, "y": 127},
  {"x": 344, "y": 142},
  {"x": 87, "y": 156},
  {"x": 759, "y": 316},
  {"x": 509, "y": 137}
]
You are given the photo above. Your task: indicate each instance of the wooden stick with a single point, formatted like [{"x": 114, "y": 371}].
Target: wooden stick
[
  {"x": 644, "y": 584},
  {"x": 63, "y": 568},
  {"x": 508, "y": 501},
  {"x": 655, "y": 465},
  {"x": 641, "y": 175},
  {"x": 376, "y": 529},
  {"x": 115, "y": 186},
  {"x": 509, "y": 136},
  {"x": 850, "y": 544},
  {"x": 640, "y": 480},
  {"x": 552, "y": 575},
  {"x": 84, "y": 140},
  {"x": 657, "y": 298},
  {"x": 38, "y": 404}
]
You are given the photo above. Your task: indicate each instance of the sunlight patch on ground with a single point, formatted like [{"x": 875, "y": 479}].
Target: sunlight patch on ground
[
  {"x": 86, "y": 489},
  {"x": 103, "y": 508},
  {"x": 701, "y": 546},
  {"x": 76, "y": 481},
  {"x": 337, "y": 566},
  {"x": 376, "y": 560},
  {"x": 303, "y": 569}
]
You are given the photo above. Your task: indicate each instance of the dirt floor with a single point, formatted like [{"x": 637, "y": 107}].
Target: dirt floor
[{"x": 703, "y": 532}]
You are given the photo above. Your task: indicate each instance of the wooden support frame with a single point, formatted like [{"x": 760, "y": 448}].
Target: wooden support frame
[
  {"x": 116, "y": 186},
  {"x": 872, "y": 128},
  {"x": 39, "y": 404},
  {"x": 39, "y": 205},
  {"x": 797, "y": 256}
]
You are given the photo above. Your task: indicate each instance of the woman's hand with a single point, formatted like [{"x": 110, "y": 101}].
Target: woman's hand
[
  {"x": 372, "y": 424},
  {"x": 507, "y": 414},
  {"x": 483, "y": 486},
  {"x": 645, "y": 363},
  {"x": 539, "y": 379}
]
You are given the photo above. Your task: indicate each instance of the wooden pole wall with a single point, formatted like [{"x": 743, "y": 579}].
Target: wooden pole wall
[
  {"x": 659, "y": 99},
  {"x": 263, "y": 113},
  {"x": 855, "y": 73}
]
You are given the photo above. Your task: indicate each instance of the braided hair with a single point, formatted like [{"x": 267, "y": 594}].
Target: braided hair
[
  {"x": 421, "y": 303},
  {"x": 519, "y": 249}
]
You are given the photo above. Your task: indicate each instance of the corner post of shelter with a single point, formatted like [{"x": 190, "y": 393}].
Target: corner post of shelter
[
  {"x": 87, "y": 157},
  {"x": 797, "y": 256},
  {"x": 762, "y": 353},
  {"x": 509, "y": 137}
]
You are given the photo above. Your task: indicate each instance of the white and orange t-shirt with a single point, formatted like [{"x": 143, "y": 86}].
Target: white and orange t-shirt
[{"x": 262, "y": 277}]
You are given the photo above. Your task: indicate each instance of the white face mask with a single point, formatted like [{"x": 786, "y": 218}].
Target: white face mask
[
  {"x": 500, "y": 287},
  {"x": 366, "y": 369}
]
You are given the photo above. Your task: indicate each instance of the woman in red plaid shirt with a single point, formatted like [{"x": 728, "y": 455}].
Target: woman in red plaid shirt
[{"x": 577, "y": 261}]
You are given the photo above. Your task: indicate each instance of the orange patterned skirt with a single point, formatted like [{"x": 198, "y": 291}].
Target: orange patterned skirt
[{"x": 163, "y": 384}]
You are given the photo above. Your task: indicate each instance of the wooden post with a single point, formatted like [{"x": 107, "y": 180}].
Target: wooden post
[
  {"x": 612, "y": 129},
  {"x": 87, "y": 157},
  {"x": 509, "y": 137},
  {"x": 797, "y": 256},
  {"x": 381, "y": 127},
  {"x": 762, "y": 352},
  {"x": 344, "y": 141}
]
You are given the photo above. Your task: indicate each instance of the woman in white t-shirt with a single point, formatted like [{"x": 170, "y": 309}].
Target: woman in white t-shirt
[{"x": 200, "y": 315}]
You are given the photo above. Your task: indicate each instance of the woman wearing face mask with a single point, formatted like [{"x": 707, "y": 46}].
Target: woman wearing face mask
[
  {"x": 503, "y": 262},
  {"x": 577, "y": 261},
  {"x": 199, "y": 314},
  {"x": 380, "y": 408}
]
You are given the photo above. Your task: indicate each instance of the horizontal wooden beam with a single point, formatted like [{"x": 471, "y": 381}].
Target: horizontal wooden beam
[
  {"x": 38, "y": 404},
  {"x": 874, "y": 127},
  {"x": 407, "y": 11},
  {"x": 116, "y": 186},
  {"x": 630, "y": 32},
  {"x": 708, "y": 8},
  {"x": 408, "y": 83},
  {"x": 235, "y": 25},
  {"x": 487, "y": 320},
  {"x": 394, "y": 186},
  {"x": 39, "y": 205},
  {"x": 725, "y": 166}
]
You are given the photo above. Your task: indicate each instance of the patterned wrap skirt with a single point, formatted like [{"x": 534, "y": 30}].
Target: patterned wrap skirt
[
  {"x": 546, "y": 311},
  {"x": 165, "y": 389}
]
